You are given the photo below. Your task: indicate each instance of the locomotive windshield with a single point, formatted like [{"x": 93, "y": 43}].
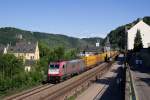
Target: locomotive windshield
[{"x": 54, "y": 66}]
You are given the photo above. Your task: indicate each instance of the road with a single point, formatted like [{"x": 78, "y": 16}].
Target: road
[{"x": 141, "y": 76}]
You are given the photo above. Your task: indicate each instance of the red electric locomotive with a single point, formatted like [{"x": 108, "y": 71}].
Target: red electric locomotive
[{"x": 58, "y": 71}]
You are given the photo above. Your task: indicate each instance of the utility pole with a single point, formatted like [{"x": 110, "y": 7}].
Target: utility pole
[
  {"x": 98, "y": 43},
  {"x": 98, "y": 46},
  {"x": 107, "y": 46},
  {"x": 126, "y": 45}
]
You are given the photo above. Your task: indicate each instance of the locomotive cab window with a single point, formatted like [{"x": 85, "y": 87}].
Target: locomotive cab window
[{"x": 54, "y": 66}]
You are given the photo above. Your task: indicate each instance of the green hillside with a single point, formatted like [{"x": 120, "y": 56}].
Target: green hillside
[
  {"x": 93, "y": 40},
  {"x": 8, "y": 35},
  {"x": 118, "y": 37}
]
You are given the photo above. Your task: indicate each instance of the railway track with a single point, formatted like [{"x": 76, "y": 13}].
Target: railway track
[
  {"x": 79, "y": 81},
  {"x": 30, "y": 92},
  {"x": 63, "y": 89}
]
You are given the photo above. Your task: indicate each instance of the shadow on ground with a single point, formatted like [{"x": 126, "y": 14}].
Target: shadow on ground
[
  {"x": 105, "y": 81},
  {"x": 115, "y": 91},
  {"x": 145, "y": 80},
  {"x": 141, "y": 69}
]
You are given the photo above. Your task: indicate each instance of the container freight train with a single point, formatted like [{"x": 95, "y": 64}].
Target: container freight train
[{"x": 62, "y": 70}]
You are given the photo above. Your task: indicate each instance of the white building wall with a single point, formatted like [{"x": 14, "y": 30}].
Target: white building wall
[
  {"x": 37, "y": 54},
  {"x": 5, "y": 50},
  {"x": 145, "y": 34},
  {"x": 27, "y": 68}
]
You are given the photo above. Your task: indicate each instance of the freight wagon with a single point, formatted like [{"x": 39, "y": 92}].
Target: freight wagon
[{"x": 58, "y": 71}]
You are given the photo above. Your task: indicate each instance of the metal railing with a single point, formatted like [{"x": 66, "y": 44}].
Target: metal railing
[{"x": 132, "y": 94}]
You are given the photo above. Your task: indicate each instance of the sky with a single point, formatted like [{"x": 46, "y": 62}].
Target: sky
[{"x": 77, "y": 18}]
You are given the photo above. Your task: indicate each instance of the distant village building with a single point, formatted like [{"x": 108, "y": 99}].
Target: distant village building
[
  {"x": 145, "y": 34},
  {"x": 92, "y": 50},
  {"x": 3, "y": 49},
  {"x": 98, "y": 43},
  {"x": 28, "y": 51},
  {"x": 19, "y": 36},
  {"x": 25, "y": 50},
  {"x": 107, "y": 45}
]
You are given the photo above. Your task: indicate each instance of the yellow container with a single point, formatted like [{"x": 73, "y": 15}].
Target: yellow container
[{"x": 92, "y": 60}]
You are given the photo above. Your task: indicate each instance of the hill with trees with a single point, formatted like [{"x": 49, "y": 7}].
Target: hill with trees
[
  {"x": 9, "y": 35},
  {"x": 118, "y": 36},
  {"x": 53, "y": 47}
]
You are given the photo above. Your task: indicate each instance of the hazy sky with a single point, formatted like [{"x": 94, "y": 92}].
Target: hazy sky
[{"x": 78, "y": 18}]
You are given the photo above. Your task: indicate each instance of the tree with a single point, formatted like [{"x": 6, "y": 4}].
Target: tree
[
  {"x": 11, "y": 69},
  {"x": 70, "y": 54},
  {"x": 138, "y": 41}
]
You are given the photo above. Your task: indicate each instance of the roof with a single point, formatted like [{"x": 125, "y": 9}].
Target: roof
[
  {"x": 23, "y": 47},
  {"x": 94, "y": 49},
  {"x": 140, "y": 24}
]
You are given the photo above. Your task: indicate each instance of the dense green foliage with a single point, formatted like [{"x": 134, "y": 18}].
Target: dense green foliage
[
  {"x": 13, "y": 76},
  {"x": 57, "y": 53},
  {"x": 138, "y": 41},
  {"x": 10, "y": 71},
  {"x": 48, "y": 55}
]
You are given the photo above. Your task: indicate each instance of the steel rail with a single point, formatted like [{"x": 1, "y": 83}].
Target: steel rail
[
  {"x": 75, "y": 83},
  {"x": 78, "y": 80},
  {"x": 29, "y": 92}
]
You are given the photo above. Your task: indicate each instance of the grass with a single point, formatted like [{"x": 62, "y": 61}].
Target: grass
[{"x": 71, "y": 98}]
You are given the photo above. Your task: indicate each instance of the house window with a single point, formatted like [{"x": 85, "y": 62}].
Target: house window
[{"x": 31, "y": 57}]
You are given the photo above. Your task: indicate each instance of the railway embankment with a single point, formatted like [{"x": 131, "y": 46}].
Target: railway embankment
[{"x": 65, "y": 89}]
